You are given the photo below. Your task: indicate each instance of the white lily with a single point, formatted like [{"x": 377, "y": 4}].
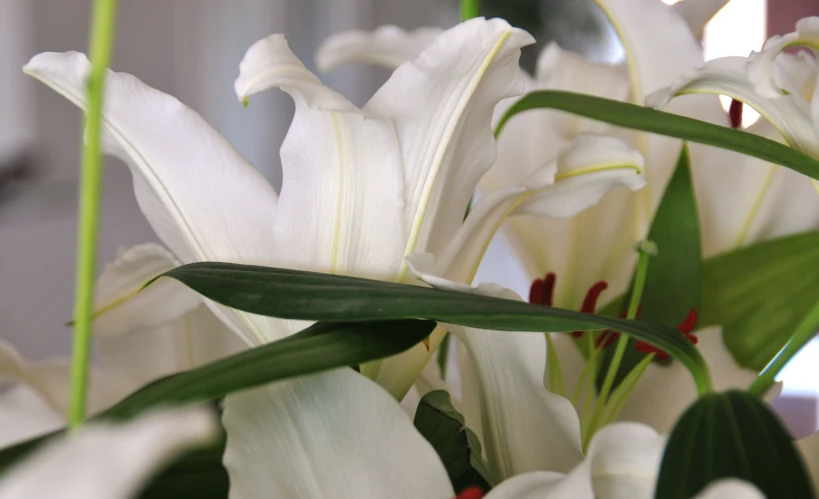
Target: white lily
[
  {"x": 531, "y": 436},
  {"x": 383, "y": 181},
  {"x": 741, "y": 200},
  {"x": 105, "y": 460},
  {"x": 362, "y": 188}
]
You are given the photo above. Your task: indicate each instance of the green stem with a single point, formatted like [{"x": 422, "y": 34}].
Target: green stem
[
  {"x": 646, "y": 249},
  {"x": 470, "y": 9},
  {"x": 101, "y": 45},
  {"x": 805, "y": 332},
  {"x": 443, "y": 354}
]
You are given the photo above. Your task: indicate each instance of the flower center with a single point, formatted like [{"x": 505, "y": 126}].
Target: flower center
[{"x": 542, "y": 292}]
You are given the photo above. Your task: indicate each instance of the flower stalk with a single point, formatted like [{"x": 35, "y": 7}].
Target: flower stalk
[
  {"x": 646, "y": 249},
  {"x": 101, "y": 46},
  {"x": 470, "y": 9}
]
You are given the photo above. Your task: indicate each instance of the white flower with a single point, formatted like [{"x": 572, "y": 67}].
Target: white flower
[
  {"x": 741, "y": 200},
  {"x": 362, "y": 189},
  {"x": 106, "y": 460}
]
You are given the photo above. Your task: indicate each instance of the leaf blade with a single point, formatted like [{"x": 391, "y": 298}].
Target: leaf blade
[
  {"x": 305, "y": 295},
  {"x": 457, "y": 445},
  {"x": 651, "y": 120},
  {"x": 726, "y": 435}
]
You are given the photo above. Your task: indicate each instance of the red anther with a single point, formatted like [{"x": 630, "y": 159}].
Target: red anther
[
  {"x": 543, "y": 290},
  {"x": 473, "y": 492},
  {"x": 687, "y": 325},
  {"x": 735, "y": 112},
  {"x": 590, "y": 301},
  {"x": 642, "y": 346}
]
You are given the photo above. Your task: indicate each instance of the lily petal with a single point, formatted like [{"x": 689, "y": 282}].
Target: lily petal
[
  {"x": 50, "y": 378},
  {"x": 623, "y": 462},
  {"x": 578, "y": 178},
  {"x": 107, "y": 461},
  {"x": 524, "y": 427},
  {"x": 121, "y": 304},
  {"x": 697, "y": 13},
  {"x": 770, "y": 82},
  {"x": 790, "y": 114},
  {"x": 659, "y": 48},
  {"x": 144, "y": 355},
  {"x": 441, "y": 104},
  {"x": 202, "y": 198},
  {"x": 25, "y": 415},
  {"x": 341, "y": 207},
  {"x": 664, "y": 392},
  {"x": 387, "y": 46},
  {"x": 586, "y": 171},
  {"x": 177, "y": 161},
  {"x": 334, "y": 434}
]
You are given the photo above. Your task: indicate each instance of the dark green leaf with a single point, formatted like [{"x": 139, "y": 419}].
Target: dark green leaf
[
  {"x": 198, "y": 475},
  {"x": 760, "y": 294},
  {"x": 294, "y": 294},
  {"x": 674, "y": 278},
  {"x": 319, "y": 348},
  {"x": 726, "y": 435},
  {"x": 662, "y": 123},
  {"x": 457, "y": 446}
]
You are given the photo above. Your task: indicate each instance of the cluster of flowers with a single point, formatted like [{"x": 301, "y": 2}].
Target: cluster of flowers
[{"x": 380, "y": 192}]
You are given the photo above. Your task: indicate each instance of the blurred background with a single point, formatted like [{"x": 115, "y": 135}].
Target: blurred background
[{"x": 191, "y": 49}]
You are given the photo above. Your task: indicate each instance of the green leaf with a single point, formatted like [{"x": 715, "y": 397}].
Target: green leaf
[
  {"x": 294, "y": 294},
  {"x": 662, "y": 123},
  {"x": 726, "y": 435},
  {"x": 457, "y": 446},
  {"x": 197, "y": 475},
  {"x": 320, "y": 347},
  {"x": 760, "y": 294},
  {"x": 674, "y": 278}
]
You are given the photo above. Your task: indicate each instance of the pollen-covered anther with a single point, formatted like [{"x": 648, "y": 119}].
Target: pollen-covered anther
[
  {"x": 542, "y": 291},
  {"x": 685, "y": 327}
]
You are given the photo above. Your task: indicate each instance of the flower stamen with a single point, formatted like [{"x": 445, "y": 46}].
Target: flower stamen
[
  {"x": 735, "y": 113},
  {"x": 685, "y": 327}
]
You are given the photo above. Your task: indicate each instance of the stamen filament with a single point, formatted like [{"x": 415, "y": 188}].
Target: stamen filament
[
  {"x": 646, "y": 249},
  {"x": 556, "y": 383}
]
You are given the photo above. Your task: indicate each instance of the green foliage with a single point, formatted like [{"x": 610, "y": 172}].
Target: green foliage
[
  {"x": 457, "y": 446},
  {"x": 674, "y": 280},
  {"x": 321, "y": 347},
  {"x": 760, "y": 294},
  {"x": 293, "y": 294},
  {"x": 731, "y": 434},
  {"x": 662, "y": 123}
]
